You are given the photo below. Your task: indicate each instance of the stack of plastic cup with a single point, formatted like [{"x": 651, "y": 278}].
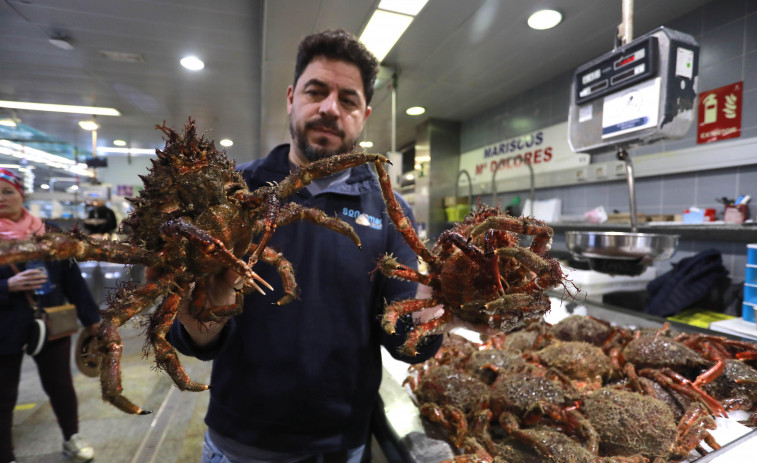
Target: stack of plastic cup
[{"x": 750, "y": 284}]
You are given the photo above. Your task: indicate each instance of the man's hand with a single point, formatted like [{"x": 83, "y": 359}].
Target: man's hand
[
  {"x": 431, "y": 313},
  {"x": 221, "y": 291}
]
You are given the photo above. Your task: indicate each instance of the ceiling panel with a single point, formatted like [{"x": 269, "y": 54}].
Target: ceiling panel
[{"x": 458, "y": 58}]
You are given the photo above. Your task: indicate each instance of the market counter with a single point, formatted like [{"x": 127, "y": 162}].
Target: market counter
[{"x": 410, "y": 439}]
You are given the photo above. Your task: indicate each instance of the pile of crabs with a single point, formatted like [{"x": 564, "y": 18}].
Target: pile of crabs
[{"x": 582, "y": 390}]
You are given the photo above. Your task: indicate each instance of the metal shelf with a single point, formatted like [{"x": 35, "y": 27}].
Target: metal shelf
[{"x": 744, "y": 233}]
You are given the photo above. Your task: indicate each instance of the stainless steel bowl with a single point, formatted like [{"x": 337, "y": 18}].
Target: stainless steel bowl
[{"x": 620, "y": 252}]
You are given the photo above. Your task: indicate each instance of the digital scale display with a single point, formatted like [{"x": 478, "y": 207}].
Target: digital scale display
[{"x": 617, "y": 71}]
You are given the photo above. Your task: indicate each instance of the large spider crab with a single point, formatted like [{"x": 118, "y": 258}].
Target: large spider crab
[
  {"x": 477, "y": 270},
  {"x": 195, "y": 218}
]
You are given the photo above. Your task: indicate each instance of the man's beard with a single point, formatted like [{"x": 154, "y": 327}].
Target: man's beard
[{"x": 314, "y": 152}]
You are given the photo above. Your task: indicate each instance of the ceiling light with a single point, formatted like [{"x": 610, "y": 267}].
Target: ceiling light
[
  {"x": 383, "y": 30},
  {"x": 366, "y": 144},
  {"x": 119, "y": 142},
  {"x": 192, "y": 63},
  {"x": 409, "y": 7},
  {"x": 60, "y": 108},
  {"x": 226, "y": 142},
  {"x": 45, "y": 186},
  {"x": 415, "y": 111},
  {"x": 409, "y": 176},
  {"x": 88, "y": 125},
  {"x": 544, "y": 19},
  {"x": 73, "y": 187},
  {"x": 62, "y": 43},
  {"x": 8, "y": 122}
]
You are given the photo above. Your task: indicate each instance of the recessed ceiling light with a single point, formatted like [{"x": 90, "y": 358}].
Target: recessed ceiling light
[
  {"x": 88, "y": 125},
  {"x": 544, "y": 19},
  {"x": 119, "y": 142},
  {"x": 226, "y": 142},
  {"x": 62, "y": 43},
  {"x": 366, "y": 144},
  {"x": 60, "y": 108},
  {"x": 45, "y": 186},
  {"x": 415, "y": 111},
  {"x": 192, "y": 63}
]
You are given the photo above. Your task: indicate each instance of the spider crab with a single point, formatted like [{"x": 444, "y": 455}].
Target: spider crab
[
  {"x": 477, "y": 270},
  {"x": 194, "y": 219}
]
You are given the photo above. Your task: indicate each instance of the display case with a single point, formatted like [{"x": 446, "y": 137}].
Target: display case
[{"x": 409, "y": 438}]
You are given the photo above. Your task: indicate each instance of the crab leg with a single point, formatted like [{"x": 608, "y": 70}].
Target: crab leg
[
  {"x": 677, "y": 382},
  {"x": 485, "y": 260},
  {"x": 212, "y": 314},
  {"x": 389, "y": 266},
  {"x": 302, "y": 177},
  {"x": 402, "y": 223},
  {"x": 213, "y": 248},
  {"x": 286, "y": 272},
  {"x": 506, "y": 311},
  {"x": 523, "y": 225},
  {"x": 548, "y": 272},
  {"x": 165, "y": 355},
  {"x": 60, "y": 246},
  {"x": 293, "y": 212},
  {"x": 123, "y": 306}
]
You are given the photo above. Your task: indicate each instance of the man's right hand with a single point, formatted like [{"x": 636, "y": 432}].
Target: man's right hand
[{"x": 221, "y": 291}]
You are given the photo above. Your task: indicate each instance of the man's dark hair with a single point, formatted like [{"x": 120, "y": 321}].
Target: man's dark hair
[{"x": 340, "y": 45}]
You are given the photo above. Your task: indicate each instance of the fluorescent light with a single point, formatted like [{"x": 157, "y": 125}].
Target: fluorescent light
[
  {"x": 60, "y": 108},
  {"x": 415, "y": 111},
  {"x": 88, "y": 125},
  {"x": 409, "y": 176},
  {"x": 119, "y": 142},
  {"x": 544, "y": 19},
  {"x": 226, "y": 142},
  {"x": 383, "y": 30},
  {"x": 366, "y": 144},
  {"x": 409, "y": 7},
  {"x": 42, "y": 157},
  {"x": 421, "y": 159},
  {"x": 110, "y": 149},
  {"x": 192, "y": 63}
]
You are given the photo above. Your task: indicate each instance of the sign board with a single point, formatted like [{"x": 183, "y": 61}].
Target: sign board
[
  {"x": 125, "y": 190},
  {"x": 720, "y": 113},
  {"x": 94, "y": 192},
  {"x": 547, "y": 150}
]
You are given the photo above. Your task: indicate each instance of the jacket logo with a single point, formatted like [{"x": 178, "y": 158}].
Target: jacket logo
[{"x": 362, "y": 218}]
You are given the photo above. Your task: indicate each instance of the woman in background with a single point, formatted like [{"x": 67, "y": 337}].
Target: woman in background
[{"x": 17, "y": 325}]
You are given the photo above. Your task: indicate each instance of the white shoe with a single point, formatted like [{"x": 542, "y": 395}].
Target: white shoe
[{"x": 78, "y": 450}]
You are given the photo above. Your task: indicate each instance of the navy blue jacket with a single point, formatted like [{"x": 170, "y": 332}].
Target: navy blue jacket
[
  {"x": 305, "y": 375},
  {"x": 16, "y": 317}
]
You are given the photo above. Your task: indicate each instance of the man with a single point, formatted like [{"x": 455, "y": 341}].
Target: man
[{"x": 298, "y": 383}]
